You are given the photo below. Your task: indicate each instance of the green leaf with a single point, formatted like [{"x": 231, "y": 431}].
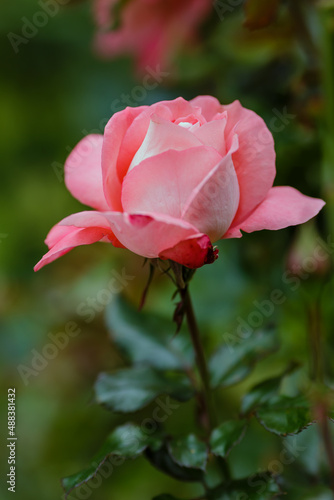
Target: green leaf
[
  {"x": 131, "y": 389},
  {"x": 147, "y": 338},
  {"x": 161, "y": 459},
  {"x": 256, "y": 487},
  {"x": 226, "y": 436},
  {"x": 125, "y": 442},
  {"x": 232, "y": 363},
  {"x": 260, "y": 393},
  {"x": 189, "y": 451},
  {"x": 282, "y": 415},
  {"x": 264, "y": 391}
]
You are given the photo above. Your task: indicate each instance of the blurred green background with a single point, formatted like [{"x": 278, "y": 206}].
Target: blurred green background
[{"x": 52, "y": 93}]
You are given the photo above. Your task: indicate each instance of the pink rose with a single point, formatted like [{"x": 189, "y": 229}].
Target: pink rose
[
  {"x": 149, "y": 29},
  {"x": 170, "y": 179}
]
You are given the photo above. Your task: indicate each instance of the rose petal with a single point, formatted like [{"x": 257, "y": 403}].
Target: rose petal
[
  {"x": 144, "y": 234},
  {"x": 168, "y": 110},
  {"x": 114, "y": 134},
  {"x": 283, "y": 206},
  {"x": 73, "y": 237},
  {"x": 56, "y": 234},
  {"x": 213, "y": 134},
  {"x": 83, "y": 172},
  {"x": 161, "y": 136},
  {"x": 209, "y": 105},
  {"x": 254, "y": 161},
  {"x": 215, "y": 200},
  {"x": 164, "y": 183}
]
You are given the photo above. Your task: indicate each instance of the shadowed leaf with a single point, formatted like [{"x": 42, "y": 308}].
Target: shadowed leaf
[
  {"x": 125, "y": 442},
  {"x": 146, "y": 338},
  {"x": 282, "y": 415},
  {"x": 162, "y": 460},
  {"x": 232, "y": 363},
  {"x": 131, "y": 389},
  {"x": 226, "y": 436},
  {"x": 189, "y": 451},
  {"x": 264, "y": 391},
  {"x": 255, "y": 487}
]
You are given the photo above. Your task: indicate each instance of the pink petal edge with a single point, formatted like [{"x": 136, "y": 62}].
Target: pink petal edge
[
  {"x": 143, "y": 234},
  {"x": 283, "y": 206},
  {"x": 83, "y": 172}
]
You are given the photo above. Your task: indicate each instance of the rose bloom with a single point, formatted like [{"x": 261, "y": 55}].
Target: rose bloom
[
  {"x": 149, "y": 29},
  {"x": 170, "y": 179}
]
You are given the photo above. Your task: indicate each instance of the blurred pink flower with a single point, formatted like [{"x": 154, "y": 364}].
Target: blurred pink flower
[
  {"x": 170, "y": 179},
  {"x": 149, "y": 29}
]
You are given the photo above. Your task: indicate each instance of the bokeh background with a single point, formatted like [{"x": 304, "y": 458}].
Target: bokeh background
[{"x": 54, "y": 91}]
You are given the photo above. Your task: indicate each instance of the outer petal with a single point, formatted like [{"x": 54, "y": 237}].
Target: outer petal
[
  {"x": 145, "y": 234},
  {"x": 283, "y": 206},
  {"x": 83, "y": 172},
  {"x": 215, "y": 200},
  {"x": 161, "y": 136},
  {"x": 114, "y": 134},
  {"x": 254, "y": 161},
  {"x": 209, "y": 105},
  {"x": 72, "y": 237},
  {"x": 57, "y": 233},
  {"x": 164, "y": 183}
]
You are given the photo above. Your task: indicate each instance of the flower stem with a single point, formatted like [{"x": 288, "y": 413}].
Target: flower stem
[
  {"x": 210, "y": 420},
  {"x": 207, "y": 411},
  {"x": 209, "y": 414}
]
